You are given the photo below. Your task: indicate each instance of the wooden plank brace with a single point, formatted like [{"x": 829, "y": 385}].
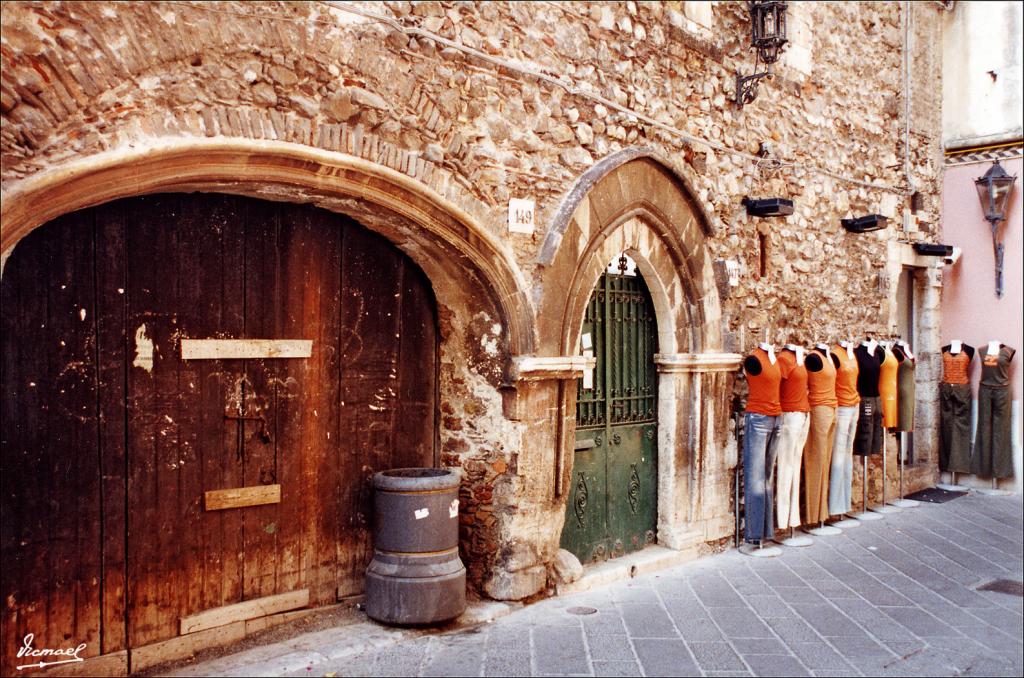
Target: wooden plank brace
[
  {"x": 250, "y": 609},
  {"x": 239, "y": 497},
  {"x": 229, "y": 349}
]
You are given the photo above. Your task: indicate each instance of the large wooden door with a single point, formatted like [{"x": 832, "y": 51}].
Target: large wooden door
[
  {"x": 613, "y": 502},
  {"x": 125, "y": 437}
]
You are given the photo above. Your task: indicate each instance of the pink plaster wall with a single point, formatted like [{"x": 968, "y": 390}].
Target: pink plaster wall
[{"x": 970, "y": 310}]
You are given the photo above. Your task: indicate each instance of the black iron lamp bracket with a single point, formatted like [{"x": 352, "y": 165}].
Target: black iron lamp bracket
[{"x": 746, "y": 86}]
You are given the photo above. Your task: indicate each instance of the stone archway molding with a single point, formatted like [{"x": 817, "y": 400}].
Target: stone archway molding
[
  {"x": 445, "y": 240},
  {"x": 587, "y": 181},
  {"x": 635, "y": 202}
]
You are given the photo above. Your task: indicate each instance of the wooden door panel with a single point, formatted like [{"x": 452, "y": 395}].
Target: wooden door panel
[
  {"x": 50, "y": 471},
  {"x": 111, "y": 283},
  {"x": 184, "y": 280},
  {"x": 293, "y": 290},
  {"x": 124, "y": 437}
]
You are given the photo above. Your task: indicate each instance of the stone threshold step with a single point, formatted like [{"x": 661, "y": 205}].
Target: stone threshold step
[{"x": 651, "y": 559}]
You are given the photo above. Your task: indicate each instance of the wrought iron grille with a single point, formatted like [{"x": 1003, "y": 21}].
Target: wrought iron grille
[{"x": 621, "y": 322}]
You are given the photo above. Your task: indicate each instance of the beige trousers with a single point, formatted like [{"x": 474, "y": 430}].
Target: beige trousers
[
  {"x": 789, "y": 447},
  {"x": 818, "y": 462}
]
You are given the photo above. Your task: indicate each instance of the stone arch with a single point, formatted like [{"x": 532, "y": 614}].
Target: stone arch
[
  {"x": 470, "y": 269},
  {"x": 634, "y": 202},
  {"x": 306, "y": 74}
]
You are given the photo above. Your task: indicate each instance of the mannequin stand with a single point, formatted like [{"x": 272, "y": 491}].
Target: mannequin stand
[
  {"x": 901, "y": 502},
  {"x": 994, "y": 491},
  {"x": 952, "y": 486},
  {"x": 864, "y": 514},
  {"x": 794, "y": 541},
  {"x": 845, "y": 523},
  {"x": 882, "y": 508},
  {"x": 759, "y": 550},
  {"x": 823, "y": 530}
]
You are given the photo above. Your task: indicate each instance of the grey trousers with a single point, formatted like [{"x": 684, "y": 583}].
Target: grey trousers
[
  {"x": 841, "y": 475},
  {"x": 993, "y": 454},
  {"x": 955, "y": 427}
]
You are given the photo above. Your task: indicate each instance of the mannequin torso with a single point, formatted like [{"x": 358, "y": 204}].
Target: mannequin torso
[
  {"x": 763, "y": 378},
  {"x": 956, "y": 361},
  {"x": 869, "y": 364}
]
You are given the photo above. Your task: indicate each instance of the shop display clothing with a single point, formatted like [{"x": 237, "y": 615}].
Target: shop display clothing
[
  {"x": 763, "y": 377},
  {"x": 841, "y": 471},
  {"x": 758, "y": 470},
  {"x": 868, "y": 367},
  {"x": 818, "y": 462},
  {"x": 846, "y": 378},
  {"x": 821, "y": 378},
  {"x": 955, "y": 410},
  {"x": 789, "y": 444},
  {"x": 887, "y": 377},
  {"x": 956, "y": 366},
  {"x": 789, "y": 449},
  {"x": 868, "y": 439},
  {"x": 760, "y": 428},
  {"x": 906, "y": 390},
  {"x": 993, "y": 452},
  {"x": 955, "y": 428},
  {"x": 793, "y": 387},
  {"x": 817, "y": 454}
]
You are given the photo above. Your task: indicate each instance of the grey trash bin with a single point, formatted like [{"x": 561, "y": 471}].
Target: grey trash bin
[{"x": 416, "y": 576}]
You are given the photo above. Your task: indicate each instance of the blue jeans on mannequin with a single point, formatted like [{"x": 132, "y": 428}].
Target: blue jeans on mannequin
[{"x": 758, "y": 473}]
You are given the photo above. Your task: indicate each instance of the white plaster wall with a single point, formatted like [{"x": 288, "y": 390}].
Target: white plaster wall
[{"x": 982, "y": 39}]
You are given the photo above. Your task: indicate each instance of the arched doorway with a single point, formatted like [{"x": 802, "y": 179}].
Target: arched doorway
[
  {"x": 153, "y": 472},
  {"x": 613, "y": 502}
]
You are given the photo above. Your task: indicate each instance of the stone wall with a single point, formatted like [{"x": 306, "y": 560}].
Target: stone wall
[{"x": 481, "y": 102}]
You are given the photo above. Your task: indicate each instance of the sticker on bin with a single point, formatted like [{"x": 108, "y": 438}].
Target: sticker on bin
[
  {"x": 453, "y": 509},
  {"x": 421, "y": 513}
]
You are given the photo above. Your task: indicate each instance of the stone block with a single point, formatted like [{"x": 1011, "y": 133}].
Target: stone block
[
  {"x": 565, "y": 568},
  {"x": 504, "y": 585}
]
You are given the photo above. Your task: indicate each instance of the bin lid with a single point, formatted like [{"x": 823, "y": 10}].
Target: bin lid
[{"x": 417, "y": 479}]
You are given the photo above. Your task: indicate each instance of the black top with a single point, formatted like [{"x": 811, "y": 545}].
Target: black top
[
  {"x": 969, "y": 350},
  {"x": 870, "y": 366}
]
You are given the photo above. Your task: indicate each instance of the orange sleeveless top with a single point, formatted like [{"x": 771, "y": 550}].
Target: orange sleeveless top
[
  {"x": 793, "y": 391},
  {"x": 955, "y": 367},
  {"x": 764, "y": 387},
  {"x": 887, "y": 377},
  {"x": 821, "y": 385},
  {"x": 846, "y": 379}
]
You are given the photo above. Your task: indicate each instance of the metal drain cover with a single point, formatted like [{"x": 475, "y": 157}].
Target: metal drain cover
[
  {"x": 1008, "y": 586},
  {"x": 582, "y": 610}
]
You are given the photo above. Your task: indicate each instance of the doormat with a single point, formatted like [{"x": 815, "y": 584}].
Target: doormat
[
  {"x": 935, "y": 495},
  {"x": 1007, "y": 586}
]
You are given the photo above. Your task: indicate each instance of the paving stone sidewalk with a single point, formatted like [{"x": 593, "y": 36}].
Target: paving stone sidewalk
[{"x": 892, "y": 597}]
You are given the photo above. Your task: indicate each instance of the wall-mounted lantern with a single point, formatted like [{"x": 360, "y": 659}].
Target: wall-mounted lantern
[
  {"x": 865, "y": 224},
  {"x": 994, "y": 190},
  {"x": 768, "y": 38},
  {"x": 768, "y": 207}
]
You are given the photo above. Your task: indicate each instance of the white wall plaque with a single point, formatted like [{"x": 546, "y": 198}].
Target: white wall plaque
[{"x": 521, "y": 215}]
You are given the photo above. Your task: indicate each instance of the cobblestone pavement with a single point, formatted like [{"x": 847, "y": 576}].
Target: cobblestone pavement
[{"x": 892, "y": 597}]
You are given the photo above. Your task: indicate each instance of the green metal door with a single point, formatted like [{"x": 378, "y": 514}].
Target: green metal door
[{"x": 613, "y": 501}]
